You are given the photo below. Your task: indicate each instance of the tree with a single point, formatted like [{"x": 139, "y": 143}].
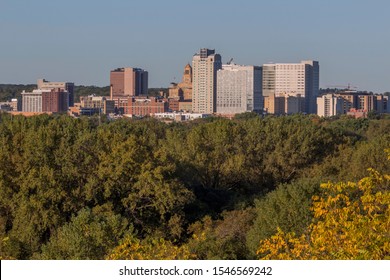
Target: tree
[
  {"x": 351, "y": 222},
  {"x": 132, "y": 248},
  {"x": 287, "y": 208},
  {"x": 89, "y": 235}
]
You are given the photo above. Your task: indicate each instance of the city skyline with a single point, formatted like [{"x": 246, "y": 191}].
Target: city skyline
[{"x": 90, "y": 38}]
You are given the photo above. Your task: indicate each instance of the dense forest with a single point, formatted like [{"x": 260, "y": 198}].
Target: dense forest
[{"x": 248, "y": 188}]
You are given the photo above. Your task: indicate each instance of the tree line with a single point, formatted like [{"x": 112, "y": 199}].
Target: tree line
[{"x": 206, "y": 189}]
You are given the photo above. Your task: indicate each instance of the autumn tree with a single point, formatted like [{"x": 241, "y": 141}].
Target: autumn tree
[{"x": 351, "y": 222}]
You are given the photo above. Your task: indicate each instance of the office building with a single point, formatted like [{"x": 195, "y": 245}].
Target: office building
[
  {"x": 32, "y": 101},
  {"x": 142, "y": 106},
  {"x": 293, "y": 79},
  {"x": 55, "y": 100},
  {"x": 65, "y": 86},
  {"x": 205, "y": 65},
  {"x": 284, "y": 104},
  {"x": 45, "y": 100},
  {"x": 128, "y": 82},
  {"x": 93, "y": 104},
  {"x": 239, "y": 89},
  {"x": 329, "y": 105}
]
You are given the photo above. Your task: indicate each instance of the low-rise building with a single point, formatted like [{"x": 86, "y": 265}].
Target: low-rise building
[
  {"x": 329, "y": 105},
  {"x": 142, "y": 106},
  {"x": 92, "y": 104},
  {"x": 180, "y": 116}
]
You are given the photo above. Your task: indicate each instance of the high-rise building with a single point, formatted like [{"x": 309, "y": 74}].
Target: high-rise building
[
  {"x": 205, "y": 65},
  {"x": 293, "y": 79},
  {"x": 239, "y": 89},
  {"x": 128, "y": 82},
  {"x": 65, "y": 86}
]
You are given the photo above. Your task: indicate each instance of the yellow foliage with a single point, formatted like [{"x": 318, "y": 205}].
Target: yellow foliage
[
  {"x": 351, "y": 221},
  {"x": 156, "y": 249}
]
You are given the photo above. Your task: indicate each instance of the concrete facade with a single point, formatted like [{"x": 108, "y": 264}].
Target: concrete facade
[
  {"x": 205, "y": 65},
  {"x": 293, "y": 79},
  {"x": 239, "y": 89},
  {"x": 65, "y": 86},
  {"x": 45, "y": 100},
  {"x": 329, "y": 105}
]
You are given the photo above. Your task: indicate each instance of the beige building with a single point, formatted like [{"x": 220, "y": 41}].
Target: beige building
[
  {"x": 205, "y": 65},
  {"x": 97, "y": 103},
  {"x": 284, "y": 104},
  {"x": 329, "y": 105},
  {"x": 183, "y": 90},
  {"x": 274, "y": 105},
  {"x": 293, "y": 79}
]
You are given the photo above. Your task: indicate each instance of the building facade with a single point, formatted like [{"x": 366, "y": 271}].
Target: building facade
[
  {"x": 183, "y": 91},
  {"x": 97, "y": 104},
  {"x": 284, "y": 104},
  {"x": 293, "y": 79},
  {"x": 45, "y": 100},
  {"x": 142, "y": 106},
  {"x": 65, "y": 86},
  {"x": 329, "y": 105},
  {"x": 32, "y": 101},
  {"x": 239, "y": 89},
  {"x": 205, "y": 65},
  {"x": 128, "y": 82},
  {"x": 55, "y": 101}
]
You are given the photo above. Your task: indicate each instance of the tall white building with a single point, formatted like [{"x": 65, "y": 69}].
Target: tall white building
[
  {"x": 205, "y": 65},
  {"x": 329, "y": 105},
  {"x": 32, "y": 101},
  {"x": 239, "y": 89},
  {"x": 293, "y": 79}
]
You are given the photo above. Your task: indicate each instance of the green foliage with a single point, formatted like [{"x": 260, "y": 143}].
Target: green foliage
[
  {"x": 89, "y": 235},
  {"x": 221, "y": 239},
  {"x": 89, "y": 90},
  {"x": 287, "y": 208},
  {"x": 7, "y": 91},
  {"x": 57, "y": 173}
]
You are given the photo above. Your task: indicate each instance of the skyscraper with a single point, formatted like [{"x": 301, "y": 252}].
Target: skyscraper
[
  {"x": 293, "y": 79},
  {"x": 239, "y": 89},
  {"x": 128, "y": 82},
  {"x": 205, "y": 65}
]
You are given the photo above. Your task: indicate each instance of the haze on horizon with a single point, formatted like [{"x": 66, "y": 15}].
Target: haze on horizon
[{"x": 81, "y": 41}]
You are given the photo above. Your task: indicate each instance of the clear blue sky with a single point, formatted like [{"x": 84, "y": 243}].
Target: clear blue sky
[{"x": 82, "y": 40}]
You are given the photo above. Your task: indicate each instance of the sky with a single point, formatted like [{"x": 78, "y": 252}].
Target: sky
[{"x": 80, "y": 41}]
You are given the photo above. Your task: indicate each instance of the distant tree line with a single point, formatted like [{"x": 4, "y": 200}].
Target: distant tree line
[{"x": 206, "y": 189}]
